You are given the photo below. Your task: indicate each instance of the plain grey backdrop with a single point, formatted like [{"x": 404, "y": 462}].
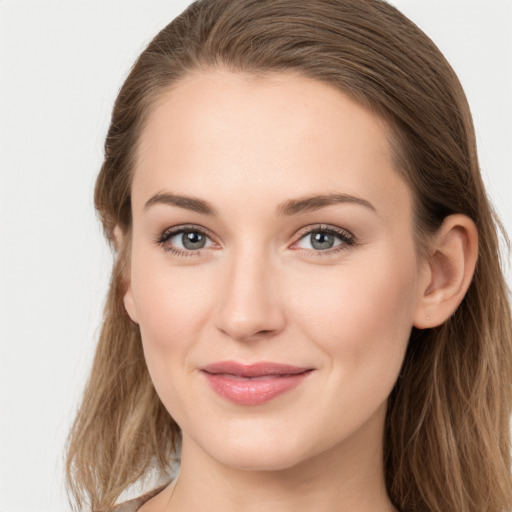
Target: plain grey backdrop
[{"x": 61, "y": 65}]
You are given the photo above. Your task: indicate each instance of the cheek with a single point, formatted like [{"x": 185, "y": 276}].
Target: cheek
[
  {"x": 171, "y": 308},
  {"x": 361, "y": 315}
]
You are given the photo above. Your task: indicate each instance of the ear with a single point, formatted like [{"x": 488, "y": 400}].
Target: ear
[
  {"x": 117, "y": 237},
  {"x": 129, "y": 303},
  {"x": 450, "y": 269}
]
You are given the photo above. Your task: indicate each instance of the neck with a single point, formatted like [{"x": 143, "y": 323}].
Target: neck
[{"x": 347, "y": 477}]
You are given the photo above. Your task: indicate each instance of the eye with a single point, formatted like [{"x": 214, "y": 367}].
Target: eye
[
  {"x": 326, "y": 239},
  {"x": 184, "y": 240}
]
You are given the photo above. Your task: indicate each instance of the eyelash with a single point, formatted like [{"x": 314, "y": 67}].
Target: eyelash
[
  {"x": 347, "y": 239},
  {"x": 170, "y": 232}
]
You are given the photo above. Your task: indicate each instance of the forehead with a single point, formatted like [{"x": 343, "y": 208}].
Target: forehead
[{"x": 280, "y": 135}]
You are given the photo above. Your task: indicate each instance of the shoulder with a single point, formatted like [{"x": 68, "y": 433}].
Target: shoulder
[{"x": 135, "y": 504}]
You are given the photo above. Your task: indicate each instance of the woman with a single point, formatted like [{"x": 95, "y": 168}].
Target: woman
[{"x": 307, "y": 298}]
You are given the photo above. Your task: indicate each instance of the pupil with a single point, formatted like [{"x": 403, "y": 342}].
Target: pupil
[
  {"x": 193, "y": 240},
  {"x": 322, "y": 241}
]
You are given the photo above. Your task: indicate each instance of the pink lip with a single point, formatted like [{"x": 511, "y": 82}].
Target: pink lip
[{"x": 253, "y": 384}]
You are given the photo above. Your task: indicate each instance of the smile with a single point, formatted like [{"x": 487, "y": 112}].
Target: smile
[{"x": 253, "y": 384}]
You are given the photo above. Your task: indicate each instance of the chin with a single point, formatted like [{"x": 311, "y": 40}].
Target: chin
[
  {"x": 259, "y": 460},
  {"x": 262, "y": 453}
]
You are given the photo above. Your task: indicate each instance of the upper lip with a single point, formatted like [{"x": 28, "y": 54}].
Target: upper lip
[{"x": 259, "y": 369}]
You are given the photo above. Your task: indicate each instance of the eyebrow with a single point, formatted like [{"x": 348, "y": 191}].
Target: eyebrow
[
  {"x": 289, "y": 207},
  {"x": 316, "y": 202},
  {"x": 189, "y": 203}
]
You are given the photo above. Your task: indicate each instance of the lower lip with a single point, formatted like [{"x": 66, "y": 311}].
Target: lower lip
[{"x": 246, "y": 391}]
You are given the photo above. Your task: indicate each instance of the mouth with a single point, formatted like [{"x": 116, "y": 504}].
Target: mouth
[{"x": 253, "y": 384}]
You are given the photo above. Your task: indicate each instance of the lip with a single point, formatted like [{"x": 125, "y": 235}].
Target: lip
[{"x": 253, "y": 384}]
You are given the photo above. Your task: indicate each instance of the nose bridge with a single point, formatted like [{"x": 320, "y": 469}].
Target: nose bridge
[{"x": 250, "y": 304}]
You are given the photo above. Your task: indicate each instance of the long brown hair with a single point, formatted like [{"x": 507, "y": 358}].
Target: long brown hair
[{"x": 447, "y": 444}]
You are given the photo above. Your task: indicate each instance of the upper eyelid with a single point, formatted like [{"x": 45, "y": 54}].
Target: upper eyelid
[
  {"x": 323, "y": 227},
  {"x": 173, "y": 231}
]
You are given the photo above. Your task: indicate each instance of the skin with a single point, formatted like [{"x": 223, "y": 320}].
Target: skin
[{"x": 260, "y": 290}]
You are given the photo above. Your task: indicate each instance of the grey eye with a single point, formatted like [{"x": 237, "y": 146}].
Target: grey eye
[
  {"x": 190, "y": 240},
  {"x": 321, "y": 240}
]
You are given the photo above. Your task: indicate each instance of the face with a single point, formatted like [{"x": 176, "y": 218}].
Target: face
[{"x": 274, "y": 274}]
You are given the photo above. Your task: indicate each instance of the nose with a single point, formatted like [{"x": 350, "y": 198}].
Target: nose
[{"x": 250, "y": 305}]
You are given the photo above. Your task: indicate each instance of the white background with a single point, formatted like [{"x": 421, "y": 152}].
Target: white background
[{"x": 61, "y": 65}]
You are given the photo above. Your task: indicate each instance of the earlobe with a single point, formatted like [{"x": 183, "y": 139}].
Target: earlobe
[
  {"x": 129, "y": 304},
  {"x": 118, "y": 238},
  {"x": 451, "y": 266}
]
